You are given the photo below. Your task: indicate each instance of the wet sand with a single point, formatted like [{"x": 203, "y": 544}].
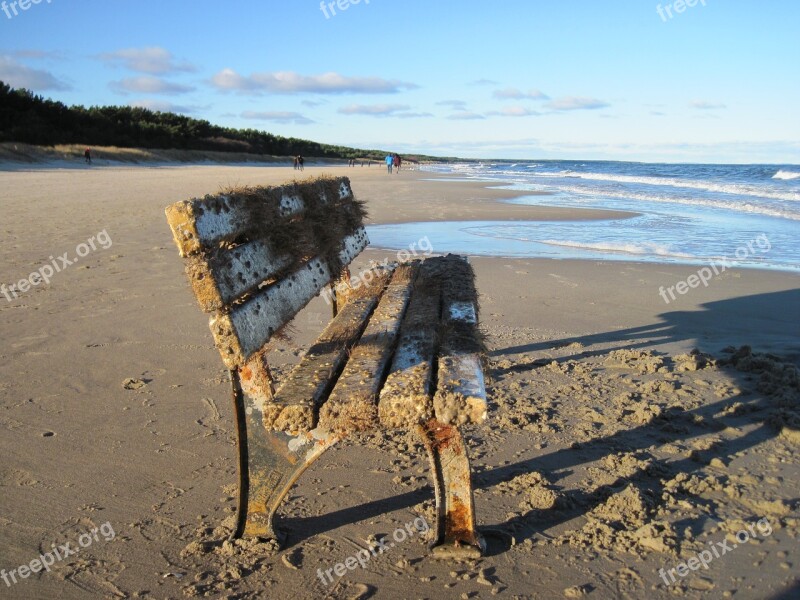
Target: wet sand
[{"x": 612, "y": 451}]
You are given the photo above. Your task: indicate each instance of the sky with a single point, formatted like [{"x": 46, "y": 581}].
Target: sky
[{"x": 680, "y": 81}]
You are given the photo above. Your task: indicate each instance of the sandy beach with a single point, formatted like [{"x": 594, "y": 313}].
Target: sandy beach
[{"x": 628, "y": 440}]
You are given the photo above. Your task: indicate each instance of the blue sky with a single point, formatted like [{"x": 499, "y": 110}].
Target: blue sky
[{"x": 713, "y": 82}]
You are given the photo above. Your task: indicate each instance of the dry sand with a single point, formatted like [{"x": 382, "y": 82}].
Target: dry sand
[{"x": 611, "y": 451}]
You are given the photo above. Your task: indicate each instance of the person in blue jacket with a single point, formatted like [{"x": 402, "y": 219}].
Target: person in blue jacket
[{"x": 389, "y": 160}]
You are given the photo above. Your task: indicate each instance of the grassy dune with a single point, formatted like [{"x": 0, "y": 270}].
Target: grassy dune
[{"x": 28, "y": 153}]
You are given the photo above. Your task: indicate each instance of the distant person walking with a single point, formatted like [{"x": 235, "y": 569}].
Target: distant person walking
[
  {"x": 396, "y": 162},
  {"x": 300, "y": 162},
  {"x": 389, "y": 162},
  {"x": 87, "y": 156}
]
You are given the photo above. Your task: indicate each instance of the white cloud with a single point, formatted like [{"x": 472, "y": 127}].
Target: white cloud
[
  {"x": 514, "y": 111},
  {"x": 18, "y": 75},
  {"x": 38, "y": 54},
  {"x": 466, "y": 116},
  {"x": 148, "y": 85},
  {"x": 576, "y": 103},
  {"x": 703, "y": 105},
  {"x": 277, "y": 117},
  {"x": 288, "y": 82},
  {"x": 162, "y": 106},
  {"x": 454, "y": 104},
  {"x": 373, "y": 110},
  {"x": 515, "y": 94},
  {"x": 153, "y": 60},
  {"x": 413, "y": 115}
]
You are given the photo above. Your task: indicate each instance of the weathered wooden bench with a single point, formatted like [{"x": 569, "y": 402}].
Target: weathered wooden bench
[{"x": 403, "y": 348}]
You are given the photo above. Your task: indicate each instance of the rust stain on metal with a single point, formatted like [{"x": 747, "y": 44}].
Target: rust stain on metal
[
  {"x": 443, "y": 436},
  {"x": 458, "y": 522}
]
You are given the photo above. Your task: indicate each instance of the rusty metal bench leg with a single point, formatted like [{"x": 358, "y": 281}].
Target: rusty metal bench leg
[
  {"x": 456, "y": 533},
  {"x": 270, "y": 463}
]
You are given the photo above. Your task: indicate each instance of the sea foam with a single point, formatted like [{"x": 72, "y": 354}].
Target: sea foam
[{"x": 786, "y": 175}]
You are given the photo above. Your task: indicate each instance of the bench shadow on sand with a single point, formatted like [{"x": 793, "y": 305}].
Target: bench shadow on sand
[{"x": 739, "y": 315}]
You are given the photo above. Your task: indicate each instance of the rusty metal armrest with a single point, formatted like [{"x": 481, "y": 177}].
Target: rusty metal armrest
[
  {"x": 456, "y": 532},
  {"x": 270, "y": 462}
]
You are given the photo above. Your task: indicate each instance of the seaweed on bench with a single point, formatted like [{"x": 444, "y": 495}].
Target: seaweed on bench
[{"x": 317, "y": 230}]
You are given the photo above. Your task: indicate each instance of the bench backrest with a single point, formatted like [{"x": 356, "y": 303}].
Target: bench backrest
[{"x": 256, "y": 256}]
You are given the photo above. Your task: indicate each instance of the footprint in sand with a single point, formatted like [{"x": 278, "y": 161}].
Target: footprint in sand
[
  {"x": 18, "y": 477},
  {"x": 212, "y": 409},
  {"x": 564, "y": 280},
  {"x": 133, "y": 384}
]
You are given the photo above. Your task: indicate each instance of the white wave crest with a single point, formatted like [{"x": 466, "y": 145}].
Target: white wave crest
[
  {"x": 640, "y": 249},
  {"x": 786, "y": 175},
  {"x": 708, "y": 186},
  {"x": 781, "y": 212}
]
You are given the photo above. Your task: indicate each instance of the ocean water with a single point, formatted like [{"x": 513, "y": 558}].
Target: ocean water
[{"x": 748, "y": 215}]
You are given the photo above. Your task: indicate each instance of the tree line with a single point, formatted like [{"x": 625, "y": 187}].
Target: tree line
[{"x": 29, "y": 118}]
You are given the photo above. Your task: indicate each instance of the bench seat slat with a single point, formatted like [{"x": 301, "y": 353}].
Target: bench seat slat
[
  {"x": 461, "y": 391},
  {"x": 244, "y": 331},
  {"x": 295, "y": 405},
  {"x": 352, "y": 406},
  {"x": 407, "y": 396},
  {"x": 461, "y": 394}
]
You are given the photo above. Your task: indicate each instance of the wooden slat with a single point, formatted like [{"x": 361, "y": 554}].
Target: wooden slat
[
  {"x": 461, "y": 394},
  {"x": 225, "y": 276},
  {"x": 295, "y": 405},
  {"x": 201, "y": 224},
  {"x": 407, "y": 397},
  {"x": 248, "y": 326},
  {"x": 461, "y": 391},
  {"x": 228, "y": 275},
  {"x": 352, "y": 405}
]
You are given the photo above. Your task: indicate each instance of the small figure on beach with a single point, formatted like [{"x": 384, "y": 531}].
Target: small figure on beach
[
  {"x": 389, "y": 162},
  {"x": 396, "y": 162},
  {"x": 87, "y": 156},
  {"x": 298, "y": 163}
]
